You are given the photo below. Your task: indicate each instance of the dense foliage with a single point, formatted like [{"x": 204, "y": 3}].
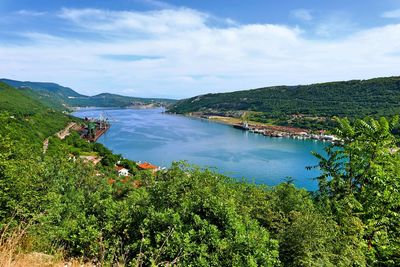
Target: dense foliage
[
  {"x": 28, "y": 116},
  {"x": 60, "y": 97},
  {"x": 192, "y": 217},
  {"x": 357, "y": 98},
  {"x": 183, "y": 215},
  {"x": 360, "y": 181}
]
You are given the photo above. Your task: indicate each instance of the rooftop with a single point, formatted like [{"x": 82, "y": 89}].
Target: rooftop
[{"x": 147, "y": 166}]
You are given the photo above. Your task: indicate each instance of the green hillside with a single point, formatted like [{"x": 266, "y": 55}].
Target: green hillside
[
  {"x": 357, "y": 98},
  {"x": 58, "y": 206},
  {"x": 43, "y": 86},
  {"x": 60, "y": 97},
  {"x": 29, "y": 116}
]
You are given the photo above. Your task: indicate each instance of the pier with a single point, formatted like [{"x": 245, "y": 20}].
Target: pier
[{"x": 94, "y": 128}]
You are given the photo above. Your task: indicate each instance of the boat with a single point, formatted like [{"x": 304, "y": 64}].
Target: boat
[
  {"x": 95, "y": 128},
  {"x": 242, "y": 126}
]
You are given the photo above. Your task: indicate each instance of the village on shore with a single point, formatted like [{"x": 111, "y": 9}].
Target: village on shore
[
  {"x": 270, "y": 130},
  {"x": 284, "y": 131}
]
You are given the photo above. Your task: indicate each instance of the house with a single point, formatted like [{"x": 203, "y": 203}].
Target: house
[
  {"x": 148, "y": 166},
  {"x": 122, "y": 171}
]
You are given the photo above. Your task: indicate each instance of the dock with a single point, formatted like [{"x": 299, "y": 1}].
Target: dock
[
  {"x": 94, "y": 129},
  {"x": 98, "y": 134}
]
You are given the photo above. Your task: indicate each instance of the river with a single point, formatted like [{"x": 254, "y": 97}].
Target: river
[{"x": 152, "y": 136}]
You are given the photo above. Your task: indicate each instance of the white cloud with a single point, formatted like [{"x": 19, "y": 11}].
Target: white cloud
[
  {"x": 24, "y": 12},
  {"x": 393, "y": 14},
  {"x": 156, "y": 22},
  {"x": 192, "y": 55},
  {"x": 302, "y": 14}
]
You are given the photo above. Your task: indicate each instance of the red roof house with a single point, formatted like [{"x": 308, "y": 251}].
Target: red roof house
[{"x": 147, "y": 166}]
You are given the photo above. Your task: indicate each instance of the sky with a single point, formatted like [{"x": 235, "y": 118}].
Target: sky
[{"x": 178, "y": 49}]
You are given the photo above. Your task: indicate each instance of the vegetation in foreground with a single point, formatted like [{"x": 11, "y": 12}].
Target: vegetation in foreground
[
  {"x": 186, "y": 216},
  {"x": 304, "y": 106}
]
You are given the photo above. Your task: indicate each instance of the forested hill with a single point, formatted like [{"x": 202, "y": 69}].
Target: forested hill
[
  {"x": 356, "y": 98},
  {"x": 60, "y": 97},
  {"x": 30, "y": 117},
  {"x": 60, "y": 207}
]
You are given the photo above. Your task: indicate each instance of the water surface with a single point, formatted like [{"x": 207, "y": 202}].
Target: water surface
[{"x": 149, "y": 135}]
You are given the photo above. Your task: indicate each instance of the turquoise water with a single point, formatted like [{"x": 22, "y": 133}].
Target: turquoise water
[{"x": 149, "y": 135}]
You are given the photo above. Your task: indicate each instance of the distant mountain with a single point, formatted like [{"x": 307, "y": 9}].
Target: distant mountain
[
  {"x": 356, "y": 98},
  {"x": 43, "y": 86},
  {"x": 60, "y": 97},
  {"x": 305, "y": 106}
]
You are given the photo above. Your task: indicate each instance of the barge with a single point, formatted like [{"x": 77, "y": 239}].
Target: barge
[{"x": 94, "y": 128}]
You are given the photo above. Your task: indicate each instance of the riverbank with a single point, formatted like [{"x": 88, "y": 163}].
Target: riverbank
[
  {"x": 268, "y": 129},
  {"x": 154, "y": 136}
]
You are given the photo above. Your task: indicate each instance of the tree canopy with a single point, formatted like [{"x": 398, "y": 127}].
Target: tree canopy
[{"x": 188, "y": 216}]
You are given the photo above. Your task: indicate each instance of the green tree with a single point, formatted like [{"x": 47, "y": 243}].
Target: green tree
[{"x": 360, "y": 180}]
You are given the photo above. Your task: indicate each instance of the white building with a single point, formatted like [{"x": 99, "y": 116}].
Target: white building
[{"x": 122, "y": 171}]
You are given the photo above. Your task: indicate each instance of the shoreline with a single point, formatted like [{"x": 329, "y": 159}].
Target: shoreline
[
  {"x": 236, "y": 174},
  {"x": 252, "y": 126},
  {"x": 267, "y": 129}
]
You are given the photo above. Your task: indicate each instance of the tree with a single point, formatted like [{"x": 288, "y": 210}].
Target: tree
[{"x": 360, "y": 180}]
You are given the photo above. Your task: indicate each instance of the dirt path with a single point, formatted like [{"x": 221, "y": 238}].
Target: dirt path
[
  {"x": 45, "y": 145},
  {"x": 64, "y": 133},
  {"x": 61, "y": 134}
]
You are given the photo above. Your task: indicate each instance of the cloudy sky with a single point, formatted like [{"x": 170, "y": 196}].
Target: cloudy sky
[{"x": 177, "y": 49}]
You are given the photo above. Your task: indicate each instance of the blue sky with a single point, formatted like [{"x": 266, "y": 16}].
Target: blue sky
[{"x": 184, "y": 48}]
